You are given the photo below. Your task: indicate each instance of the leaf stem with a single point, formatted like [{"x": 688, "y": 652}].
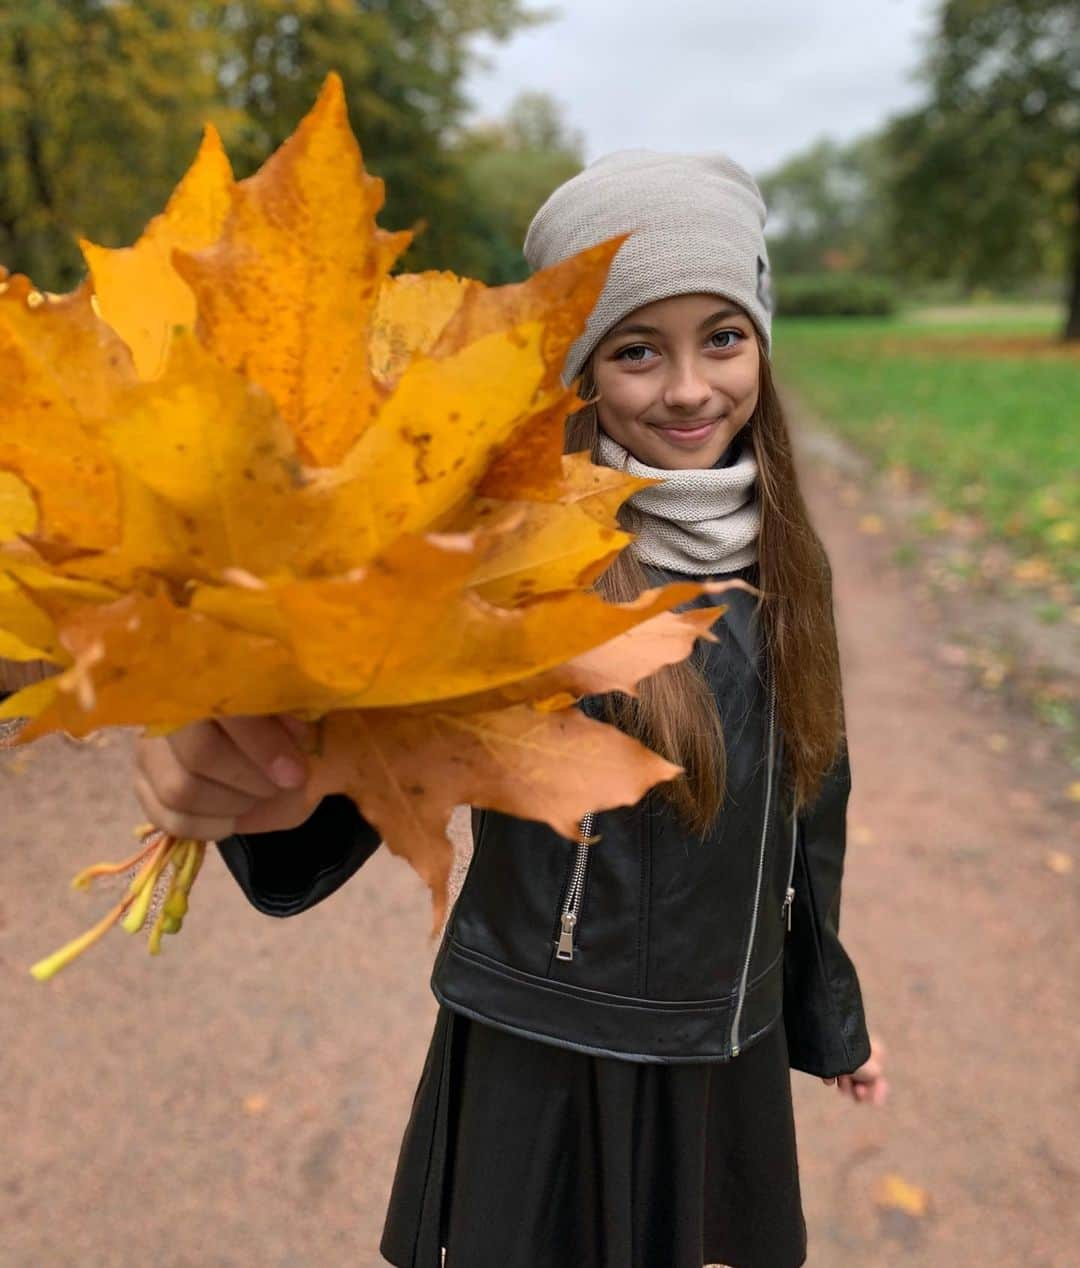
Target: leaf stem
[
  {"x": 51, "y": 964},
  {"x": 90, "y": 874},
  {"x": 142, "y": 887}
]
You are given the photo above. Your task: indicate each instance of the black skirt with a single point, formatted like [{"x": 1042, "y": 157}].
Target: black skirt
[{"x": 522, "y": 1154}]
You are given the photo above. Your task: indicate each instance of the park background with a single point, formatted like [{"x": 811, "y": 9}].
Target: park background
[{"x": 921, "y": 162}]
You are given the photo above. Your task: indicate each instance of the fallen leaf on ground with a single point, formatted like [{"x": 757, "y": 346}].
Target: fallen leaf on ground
[{"x": 894, "y": 1192}]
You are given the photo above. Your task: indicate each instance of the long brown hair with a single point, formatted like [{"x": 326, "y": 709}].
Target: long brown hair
[{"x": 675, "y": 711}]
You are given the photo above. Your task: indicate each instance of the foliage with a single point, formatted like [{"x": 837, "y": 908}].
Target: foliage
[
  {"x": 246, "y": 471},
  {"x": 825, "y": 210},
  {"x": 403, "y": 63},
  {"x": 102, "y": 101},
  {"x": 835, "y": 295},
  {"x": 101, "y": 104},
  {"x": 984, "y": 180},
  {"x": 507, "y": 170},
  {"x": 979, "y": 188}
]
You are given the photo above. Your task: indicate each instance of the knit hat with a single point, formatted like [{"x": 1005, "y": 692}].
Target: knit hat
[{"x": 696, "y": 223}]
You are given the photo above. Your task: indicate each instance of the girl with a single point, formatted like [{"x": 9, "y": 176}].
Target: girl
[{"x": 608, "y": 1082}]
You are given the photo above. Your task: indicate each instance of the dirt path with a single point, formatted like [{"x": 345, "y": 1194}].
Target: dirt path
[
  {"x": 965, "y": 938},
  {"x": 240, "y": 1100}
]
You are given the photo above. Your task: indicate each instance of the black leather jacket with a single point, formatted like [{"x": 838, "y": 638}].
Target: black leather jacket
[{"x": 650, "y": 945}]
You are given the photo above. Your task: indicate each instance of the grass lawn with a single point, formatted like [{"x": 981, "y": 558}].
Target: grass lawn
[{"x": 980, "y": 405}]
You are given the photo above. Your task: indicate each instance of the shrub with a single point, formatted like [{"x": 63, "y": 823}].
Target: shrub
[{"x": 835, "y": 295}]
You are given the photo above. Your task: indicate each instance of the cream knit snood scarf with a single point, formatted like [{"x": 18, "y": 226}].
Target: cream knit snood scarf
[{"x": 700, "y": 522}]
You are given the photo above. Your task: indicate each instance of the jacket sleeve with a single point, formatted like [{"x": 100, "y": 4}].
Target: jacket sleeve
[
  {"x": 284, "y": 873},
  {"x": 823, "y": 1009}
]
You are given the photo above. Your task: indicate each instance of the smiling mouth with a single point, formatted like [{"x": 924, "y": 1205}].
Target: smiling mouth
[{"x": 688, "y": 431}]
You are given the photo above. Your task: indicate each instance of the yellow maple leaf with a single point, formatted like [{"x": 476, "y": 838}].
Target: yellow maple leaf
[
  {"x": 18, "y": 513},
  {"x": 411, "y": 312},
  {"x": 893, "y": 1191},
  {"x": 61, "y": 369},
  {"x": 25, "y": 589},
  {"x": 287, "y": 292},
  {"x": 138, "y": 291},
  {"x": 560, "y": 543}
]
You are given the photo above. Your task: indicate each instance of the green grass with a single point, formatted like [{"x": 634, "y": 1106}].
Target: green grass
[
  {"x": 1020, "y": 318},
  {"x": 994, "y": 436}
]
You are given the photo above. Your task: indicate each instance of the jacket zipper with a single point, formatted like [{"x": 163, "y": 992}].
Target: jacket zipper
[
  {"x": 761, "y": 870},
  {"x": 789, "y": 893},
  {"x": 571, "y": 907}
]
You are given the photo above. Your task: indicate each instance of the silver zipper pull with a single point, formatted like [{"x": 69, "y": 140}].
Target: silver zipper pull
[
  {"x": 566, "y": 938},
  {"x": 789, "y": 899}
]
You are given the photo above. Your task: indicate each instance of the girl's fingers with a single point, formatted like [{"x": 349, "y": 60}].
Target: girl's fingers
[
  {"x": 302, "y": 732},
  {"x": 197, "y": 770},
  {"x": 179, "y": 824},
  {"x": 268, "y": 746},
  {"x": 223, "y": 751},
  {"x": 868, "y": 1083},
  {"x": 186, "y": 793},
  {"x": 286, "y": 810}
]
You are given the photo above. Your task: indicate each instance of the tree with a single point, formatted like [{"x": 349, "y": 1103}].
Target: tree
[
  {"x": 102, "y": 103},
  {"x": 403, "y": 63},
  {"x": 984, "y": 181},
  {"x": 825, "y": 209},
  {"x": 507, "y": 170}
]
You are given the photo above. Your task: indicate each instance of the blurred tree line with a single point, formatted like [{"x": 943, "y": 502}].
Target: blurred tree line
[
  {"x": 978, "y": 188},
  {"x": 102, "y": 103}
]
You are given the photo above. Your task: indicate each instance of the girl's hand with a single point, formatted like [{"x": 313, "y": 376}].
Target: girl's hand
[
  {"x": 211, "y": 779},
  {"x": 868, "y": 1083}
]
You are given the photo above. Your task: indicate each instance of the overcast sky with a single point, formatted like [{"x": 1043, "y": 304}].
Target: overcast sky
[{"x": 759, "y": 80}]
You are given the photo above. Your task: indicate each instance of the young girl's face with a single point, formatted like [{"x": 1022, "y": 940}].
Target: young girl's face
[{"x": 677, "y": 379}]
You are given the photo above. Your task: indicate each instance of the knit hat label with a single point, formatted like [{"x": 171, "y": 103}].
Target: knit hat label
[{"x": 764, "y": 285}]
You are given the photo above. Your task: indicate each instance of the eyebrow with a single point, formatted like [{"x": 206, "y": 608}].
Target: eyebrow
[{"x": 652, "y": 330}]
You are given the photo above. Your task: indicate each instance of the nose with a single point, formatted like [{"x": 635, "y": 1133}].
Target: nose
[{"x": 686, "y": 388}]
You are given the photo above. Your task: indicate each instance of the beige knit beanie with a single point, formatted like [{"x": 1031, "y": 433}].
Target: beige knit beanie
[{"x": 696, "y": 223}]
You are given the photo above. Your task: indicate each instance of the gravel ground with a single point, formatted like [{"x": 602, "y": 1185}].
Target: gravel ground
[{"x": 239, "y": 1101}]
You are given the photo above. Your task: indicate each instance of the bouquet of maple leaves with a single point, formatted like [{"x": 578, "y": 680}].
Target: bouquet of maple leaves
[{"x": 246, "y": 470}]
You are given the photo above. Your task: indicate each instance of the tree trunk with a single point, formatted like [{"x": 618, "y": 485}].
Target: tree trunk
[
  {"x": 16, "y": 674},
  {"x": 1072, "y": 323},
  {"x": 35, "y": 161}
]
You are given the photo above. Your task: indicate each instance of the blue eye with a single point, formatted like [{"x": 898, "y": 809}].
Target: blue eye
[{"x": 736, "y": 335}]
